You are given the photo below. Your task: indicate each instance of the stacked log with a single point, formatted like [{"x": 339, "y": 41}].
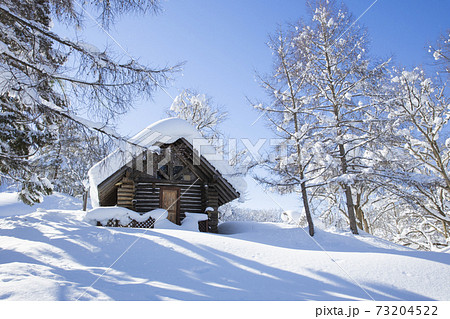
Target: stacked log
[
  {"x": 213, "y": 215},
  {"x": 125, "y": 193}
]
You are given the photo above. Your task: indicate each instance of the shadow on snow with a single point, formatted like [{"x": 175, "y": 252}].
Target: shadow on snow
[{"x": 160, "y": 266}]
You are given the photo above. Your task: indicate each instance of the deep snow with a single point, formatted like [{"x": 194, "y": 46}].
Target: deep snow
[{"x": 53, "y": 254}]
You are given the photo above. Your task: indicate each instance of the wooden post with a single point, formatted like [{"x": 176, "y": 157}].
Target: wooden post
[
  {"x": 213, "y": 220},
  {"x": 85, "y": 198},
  {"x": 213, "y": 202},
  {"x": 204, "y": 192}
]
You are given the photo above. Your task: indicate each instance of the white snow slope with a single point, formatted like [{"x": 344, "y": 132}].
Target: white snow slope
[{"x": 52, "y": 254}]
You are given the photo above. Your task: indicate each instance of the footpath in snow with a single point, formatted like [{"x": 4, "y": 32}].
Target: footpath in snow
[{"x": 49, "y": 252}]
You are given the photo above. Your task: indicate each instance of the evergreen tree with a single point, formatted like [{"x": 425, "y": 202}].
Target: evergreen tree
[{"x": 39, "y": 93}]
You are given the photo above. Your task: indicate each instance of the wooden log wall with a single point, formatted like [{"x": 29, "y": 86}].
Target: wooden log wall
[
  {"x": 148, "y": 195},
  {"x": 125, "y": 193}
]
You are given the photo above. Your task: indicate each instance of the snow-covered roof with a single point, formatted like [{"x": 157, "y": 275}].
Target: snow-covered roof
[{"x": 164, "y": 131}]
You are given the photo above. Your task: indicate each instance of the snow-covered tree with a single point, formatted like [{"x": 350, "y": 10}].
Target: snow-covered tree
[
  {"x": 199, "y": 110},
  {"x": 333, "y": 82},
  {"x": 231, "y": 212},
  {"x": 420, "y": 113},
  {"x": 46, "y": 79},
  {"x": 66, "y": 162},
  {"x": 441, "y": 53},
  {"x": 286, "y": 115},
  {"x": 341, "y": 81}
]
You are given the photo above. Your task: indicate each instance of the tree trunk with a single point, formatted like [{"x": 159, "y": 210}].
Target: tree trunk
[
  {"x": 306, "y": 206},
  {"x": 361, "y": 221},
  {"x": 350, "y": 210},
  {"x": 359, "y": 212},
  {"x": 336, "y": 111},
  {"x": 366, "y": 225},
  {"x": 348, "y": 193},
  {"x": 300, "y": 166}
]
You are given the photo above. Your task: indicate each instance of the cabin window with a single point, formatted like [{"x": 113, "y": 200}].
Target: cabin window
[
  {"x": 177, "y": 169},
  {"x": 173, "y": 173},
  {"x": 163, "y": 170}
]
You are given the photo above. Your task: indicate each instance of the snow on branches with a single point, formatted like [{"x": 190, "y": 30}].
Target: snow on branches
[
  {"x": 47, "y": 80},
  {"x": 420, "y": 114},
  {"x": 321, "y": 90},
  {"x": 198, "y": 109}
]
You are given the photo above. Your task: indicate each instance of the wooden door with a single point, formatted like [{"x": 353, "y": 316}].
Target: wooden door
[{"x": 169, "y": 200}]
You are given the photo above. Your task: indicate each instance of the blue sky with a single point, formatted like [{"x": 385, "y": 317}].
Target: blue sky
[{"x": 224, "y": 43}]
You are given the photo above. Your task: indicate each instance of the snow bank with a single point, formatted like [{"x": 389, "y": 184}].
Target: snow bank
[
  {"x": 191, "y": 221},
  {"x": 165, "y": 131},
  {"x": 10, "y": 205},
  {"x": 124, "y": 215},
  {"x": 292, "y": 217}
]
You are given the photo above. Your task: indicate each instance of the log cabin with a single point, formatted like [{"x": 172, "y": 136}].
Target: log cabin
[{"x": 165, "y": 172}]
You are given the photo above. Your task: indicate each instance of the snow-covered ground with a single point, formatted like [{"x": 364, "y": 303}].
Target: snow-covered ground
[{"x": 51, "y": 253}]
